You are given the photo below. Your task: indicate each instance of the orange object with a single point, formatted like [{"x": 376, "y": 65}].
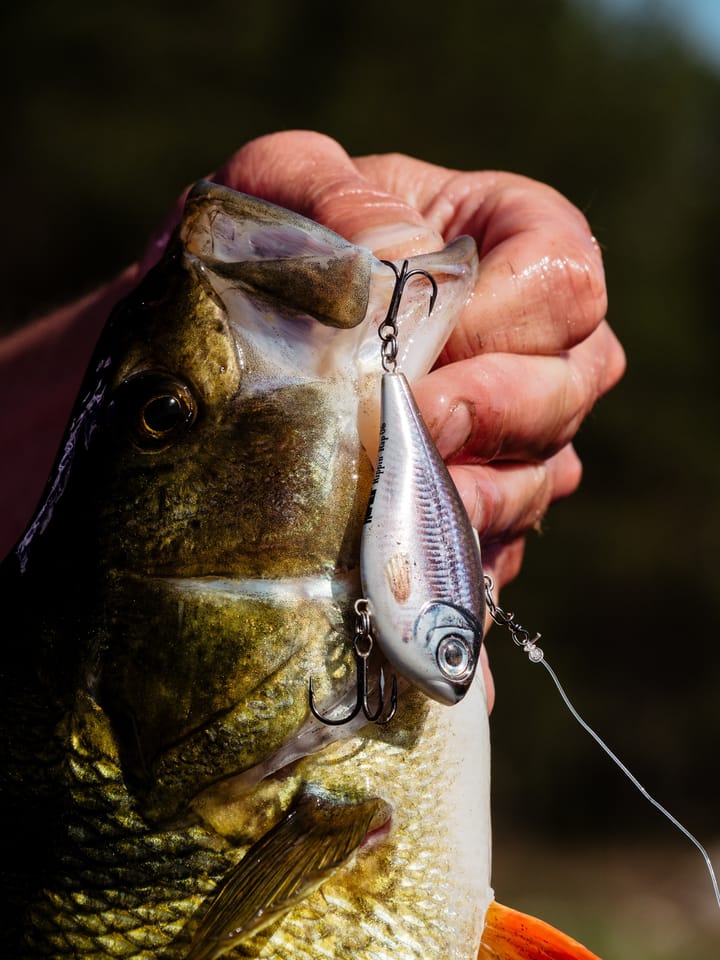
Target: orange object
[{"x": 511, "y": 935}]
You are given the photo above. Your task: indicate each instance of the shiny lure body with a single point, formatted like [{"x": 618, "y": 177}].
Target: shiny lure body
[{"x": 420, "y": 560}]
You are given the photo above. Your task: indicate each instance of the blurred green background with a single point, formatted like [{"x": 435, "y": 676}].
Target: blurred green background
[{"x": 111, "y": 109}]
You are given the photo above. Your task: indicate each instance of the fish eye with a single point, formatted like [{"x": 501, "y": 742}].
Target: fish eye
[
  {"x": 454, "y": 657},
  {"x": 155, "y": 409}
]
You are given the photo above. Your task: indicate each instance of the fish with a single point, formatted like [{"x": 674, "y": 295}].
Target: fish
[{"x": 166, "y": 790}]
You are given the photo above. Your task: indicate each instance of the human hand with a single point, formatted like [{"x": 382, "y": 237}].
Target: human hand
[{"x": 531, "y": 353}]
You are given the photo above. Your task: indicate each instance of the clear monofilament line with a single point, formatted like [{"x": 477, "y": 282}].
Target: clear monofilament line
[
  {"x": 633, "y": 779},
  {"x": 523, "y": 638}
]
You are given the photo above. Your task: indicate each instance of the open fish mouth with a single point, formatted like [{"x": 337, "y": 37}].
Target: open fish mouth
[
  {"x": 237, "y": 396},
  {"x": 264, "y": 487}
]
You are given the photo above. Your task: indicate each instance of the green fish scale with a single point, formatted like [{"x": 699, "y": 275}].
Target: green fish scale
[{"x": 121, "y": 888}]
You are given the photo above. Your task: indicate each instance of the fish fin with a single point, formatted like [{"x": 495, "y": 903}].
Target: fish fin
[
  {"x": 283, "y": 867},
  {"x": 511, "y": 935}
]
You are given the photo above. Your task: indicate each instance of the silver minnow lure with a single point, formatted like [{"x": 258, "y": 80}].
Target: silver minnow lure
[{"x": 419, "y": 557}]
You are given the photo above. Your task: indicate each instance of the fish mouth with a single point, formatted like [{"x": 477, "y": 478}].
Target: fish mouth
[{"x": 204, "y": 694}]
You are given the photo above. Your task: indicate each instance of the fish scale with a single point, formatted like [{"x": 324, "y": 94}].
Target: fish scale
[
  {"x": 404, "y": 902},
  {"x": 141, "y": 885}
]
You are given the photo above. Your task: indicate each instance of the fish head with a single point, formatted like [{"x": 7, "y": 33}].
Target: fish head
[{"x": 197, "y": 556}]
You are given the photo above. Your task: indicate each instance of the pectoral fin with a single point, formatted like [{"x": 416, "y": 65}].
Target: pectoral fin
[
  {"x": 286, "y": 865},
  {"x": 511, "y": 935}
]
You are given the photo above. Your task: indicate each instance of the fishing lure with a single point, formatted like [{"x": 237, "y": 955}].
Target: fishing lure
[{"x": 420, "y": 563}]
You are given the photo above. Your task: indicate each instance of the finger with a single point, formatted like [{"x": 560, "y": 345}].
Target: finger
[
  {"x": 505, "y": 500},
  {"x": 541, "y": 286},
  {"x": 488, "y": 678},
  {"x": 503, "y": 562},
  {"x": 513, "y": 406},
  {"x": 311, "y": 173}
]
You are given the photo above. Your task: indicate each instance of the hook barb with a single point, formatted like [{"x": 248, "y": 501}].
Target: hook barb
[
  {"x": 362, "y": 701},
  {"x": 326, "y": 720},
  {"x": 393, "y": 700}
]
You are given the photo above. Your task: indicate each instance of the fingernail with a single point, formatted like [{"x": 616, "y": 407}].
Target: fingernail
[
  {"x": 455, "y": 431},
  {"x": 406, "y": 239}
]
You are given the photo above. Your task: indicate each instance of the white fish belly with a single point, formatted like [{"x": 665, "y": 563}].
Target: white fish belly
[{"x": 420, "y": 893}]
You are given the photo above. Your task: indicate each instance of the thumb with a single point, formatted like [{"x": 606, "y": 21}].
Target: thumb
[{"x": 311, "y": 174}]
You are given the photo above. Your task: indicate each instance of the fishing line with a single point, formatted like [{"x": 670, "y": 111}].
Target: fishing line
[{"x": 522, "y": 638}]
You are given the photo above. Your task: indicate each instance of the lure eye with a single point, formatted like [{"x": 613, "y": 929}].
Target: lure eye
[
  {"x": 451, "y": 637},
  {"x": 155, "y": 409},
  {"x": 454, "y": 657}
]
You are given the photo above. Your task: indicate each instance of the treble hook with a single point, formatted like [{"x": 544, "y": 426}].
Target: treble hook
[
  {"x": 362, "y": 653},
  {"x": 388, "y": 329},
  {"x": 403, "y": 275}
]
